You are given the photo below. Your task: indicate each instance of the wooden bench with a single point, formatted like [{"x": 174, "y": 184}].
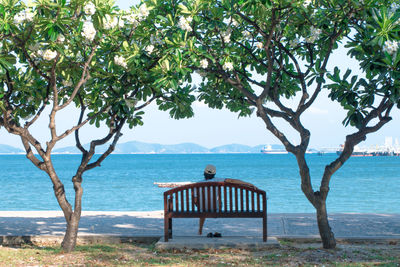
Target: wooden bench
[{"x": 216, "y": 200}]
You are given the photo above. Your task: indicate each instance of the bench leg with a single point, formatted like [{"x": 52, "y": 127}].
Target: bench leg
[
  {"x": 201, "y": 223},
  {"x": 265, "y": 229},
  {"x": 166, "y": 228},
  {"x": 170, "y": 228}
]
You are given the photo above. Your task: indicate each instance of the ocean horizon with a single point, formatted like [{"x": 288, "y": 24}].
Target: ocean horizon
[{"x": 125, "y": 182}]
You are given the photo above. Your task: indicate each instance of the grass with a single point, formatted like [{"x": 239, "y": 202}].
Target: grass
[{"x": 291, "y": 253}]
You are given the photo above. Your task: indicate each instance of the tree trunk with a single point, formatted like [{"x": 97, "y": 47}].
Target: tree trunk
[
  {"x": 69, "y": 242},
  {"x": 325, "y": 231},
  {"x": 74, "y": 217}
]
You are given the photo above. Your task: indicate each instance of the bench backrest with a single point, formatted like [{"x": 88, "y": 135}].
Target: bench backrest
[{"x": 215, "y": 197}]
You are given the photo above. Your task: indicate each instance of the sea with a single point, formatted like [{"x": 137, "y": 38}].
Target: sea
[{"x": 126, "y": 182}]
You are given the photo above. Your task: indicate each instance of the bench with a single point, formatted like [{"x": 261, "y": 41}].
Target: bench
[{"x": 216, "y": 200}]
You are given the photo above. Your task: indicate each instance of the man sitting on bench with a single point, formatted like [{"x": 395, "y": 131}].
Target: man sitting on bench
[{"x": 209, "y": 176}]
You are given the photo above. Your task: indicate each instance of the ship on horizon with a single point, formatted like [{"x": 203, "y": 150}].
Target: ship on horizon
[
  {"x": 269, "y": 150},
  {"x": 386, "y": 150}
]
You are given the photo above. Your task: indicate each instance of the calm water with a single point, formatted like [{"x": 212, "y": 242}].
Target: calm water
[{"x": 125, "y": 182}]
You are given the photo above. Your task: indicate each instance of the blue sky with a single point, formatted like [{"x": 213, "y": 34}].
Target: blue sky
[{"x": 218, "y": 127}]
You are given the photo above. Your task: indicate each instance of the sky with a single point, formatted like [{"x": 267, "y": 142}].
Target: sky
[{"x": 211, "y": 128}]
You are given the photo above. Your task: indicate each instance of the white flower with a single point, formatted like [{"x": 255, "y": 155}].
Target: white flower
[
  {"x": 121, "y": 23},
  {"x": 306, "y": 3},
  {"x": 226, "y": 35},
  {"x": 314, "y": 35},
  {"x": 60, "y": 39},
  {"x": 143, "y": 12},
  {"x": 89, "y": 9},
  {"x": 235, "y": 23},
  {"x": 29, "y": 15},
  {"x": 131, "y": 19},
  {"x": 49, "y": 54},
  {"x": 19, "y": 18},
  {"x": 24, "y": 15},
  {"x": 149, "y": 49},
  {"x": 1, "y": 45},
  {"x": 260, "y": 45},
  {"x": 121, "y": 61},
  {"x": 391, "y": 47},
  {"x": 109, "y": 23},
  {"x": 293, "y": 43},
  {"x": 228, "y": 66},
  {"x": 204, "y": 63},
  {"x": 88, "y": 30},
  {"x": 184, "y": 24}
]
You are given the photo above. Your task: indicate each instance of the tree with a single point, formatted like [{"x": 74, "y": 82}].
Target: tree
[
  {"x": 254, "y": 55},
  {"x": 88, "y": 54}
]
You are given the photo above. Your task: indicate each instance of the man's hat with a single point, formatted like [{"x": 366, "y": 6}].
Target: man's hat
[{"x": 210, "y": 169}]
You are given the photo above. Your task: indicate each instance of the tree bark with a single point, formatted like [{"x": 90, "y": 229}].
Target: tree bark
[
  {"x": 71, "y": 235},
  {"x": 325, "y": 231},
  {"x": 318, "y": 200},
  {"x": 69, "y": 242}
]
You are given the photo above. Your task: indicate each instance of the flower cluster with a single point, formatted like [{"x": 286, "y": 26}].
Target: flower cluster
[
  {"x": 314, "y": 35},
  {"x": 228, "y": 66},
  {"x": 391, "y": 47},
  {"x": 88, "y": 31},
  {"x": 259, "y": 45},
  {"x": 226, "y": 35},
  {"x": 24, "y": 15},
  {"x": 60, "y": 39},
  {"x": 89, "y": 9},
  {"x": 149, "y": 49},
  {"x": 306, "y": 3},
  {"x": 121, "y": 61},
  {"x": 235, "y": 23},
  {"x": 48, "y": 54},
  {"x": 131, "y": 19},
  {"x": 110, "y": 22},
  {"x": 143, "y": 12},
  {"x": 204, "y": 63},
  {"x": 184, "y": 23}
]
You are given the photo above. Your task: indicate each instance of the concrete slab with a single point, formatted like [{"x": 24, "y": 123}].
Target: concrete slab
[
  {"x": 24, "y": 225},
  {"x": 201, "y": 242}
]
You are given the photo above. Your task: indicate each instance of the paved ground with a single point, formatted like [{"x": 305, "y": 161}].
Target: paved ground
[{"x": 151, "y": 224}]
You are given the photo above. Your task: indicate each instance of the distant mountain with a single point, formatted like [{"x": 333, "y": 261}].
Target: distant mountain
[
  {"x": 235, "y": 148},
  {"x": 6, "y": 149},
  {"x": 135, "y": 147},
  {"x": 140, "y": 147}
]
